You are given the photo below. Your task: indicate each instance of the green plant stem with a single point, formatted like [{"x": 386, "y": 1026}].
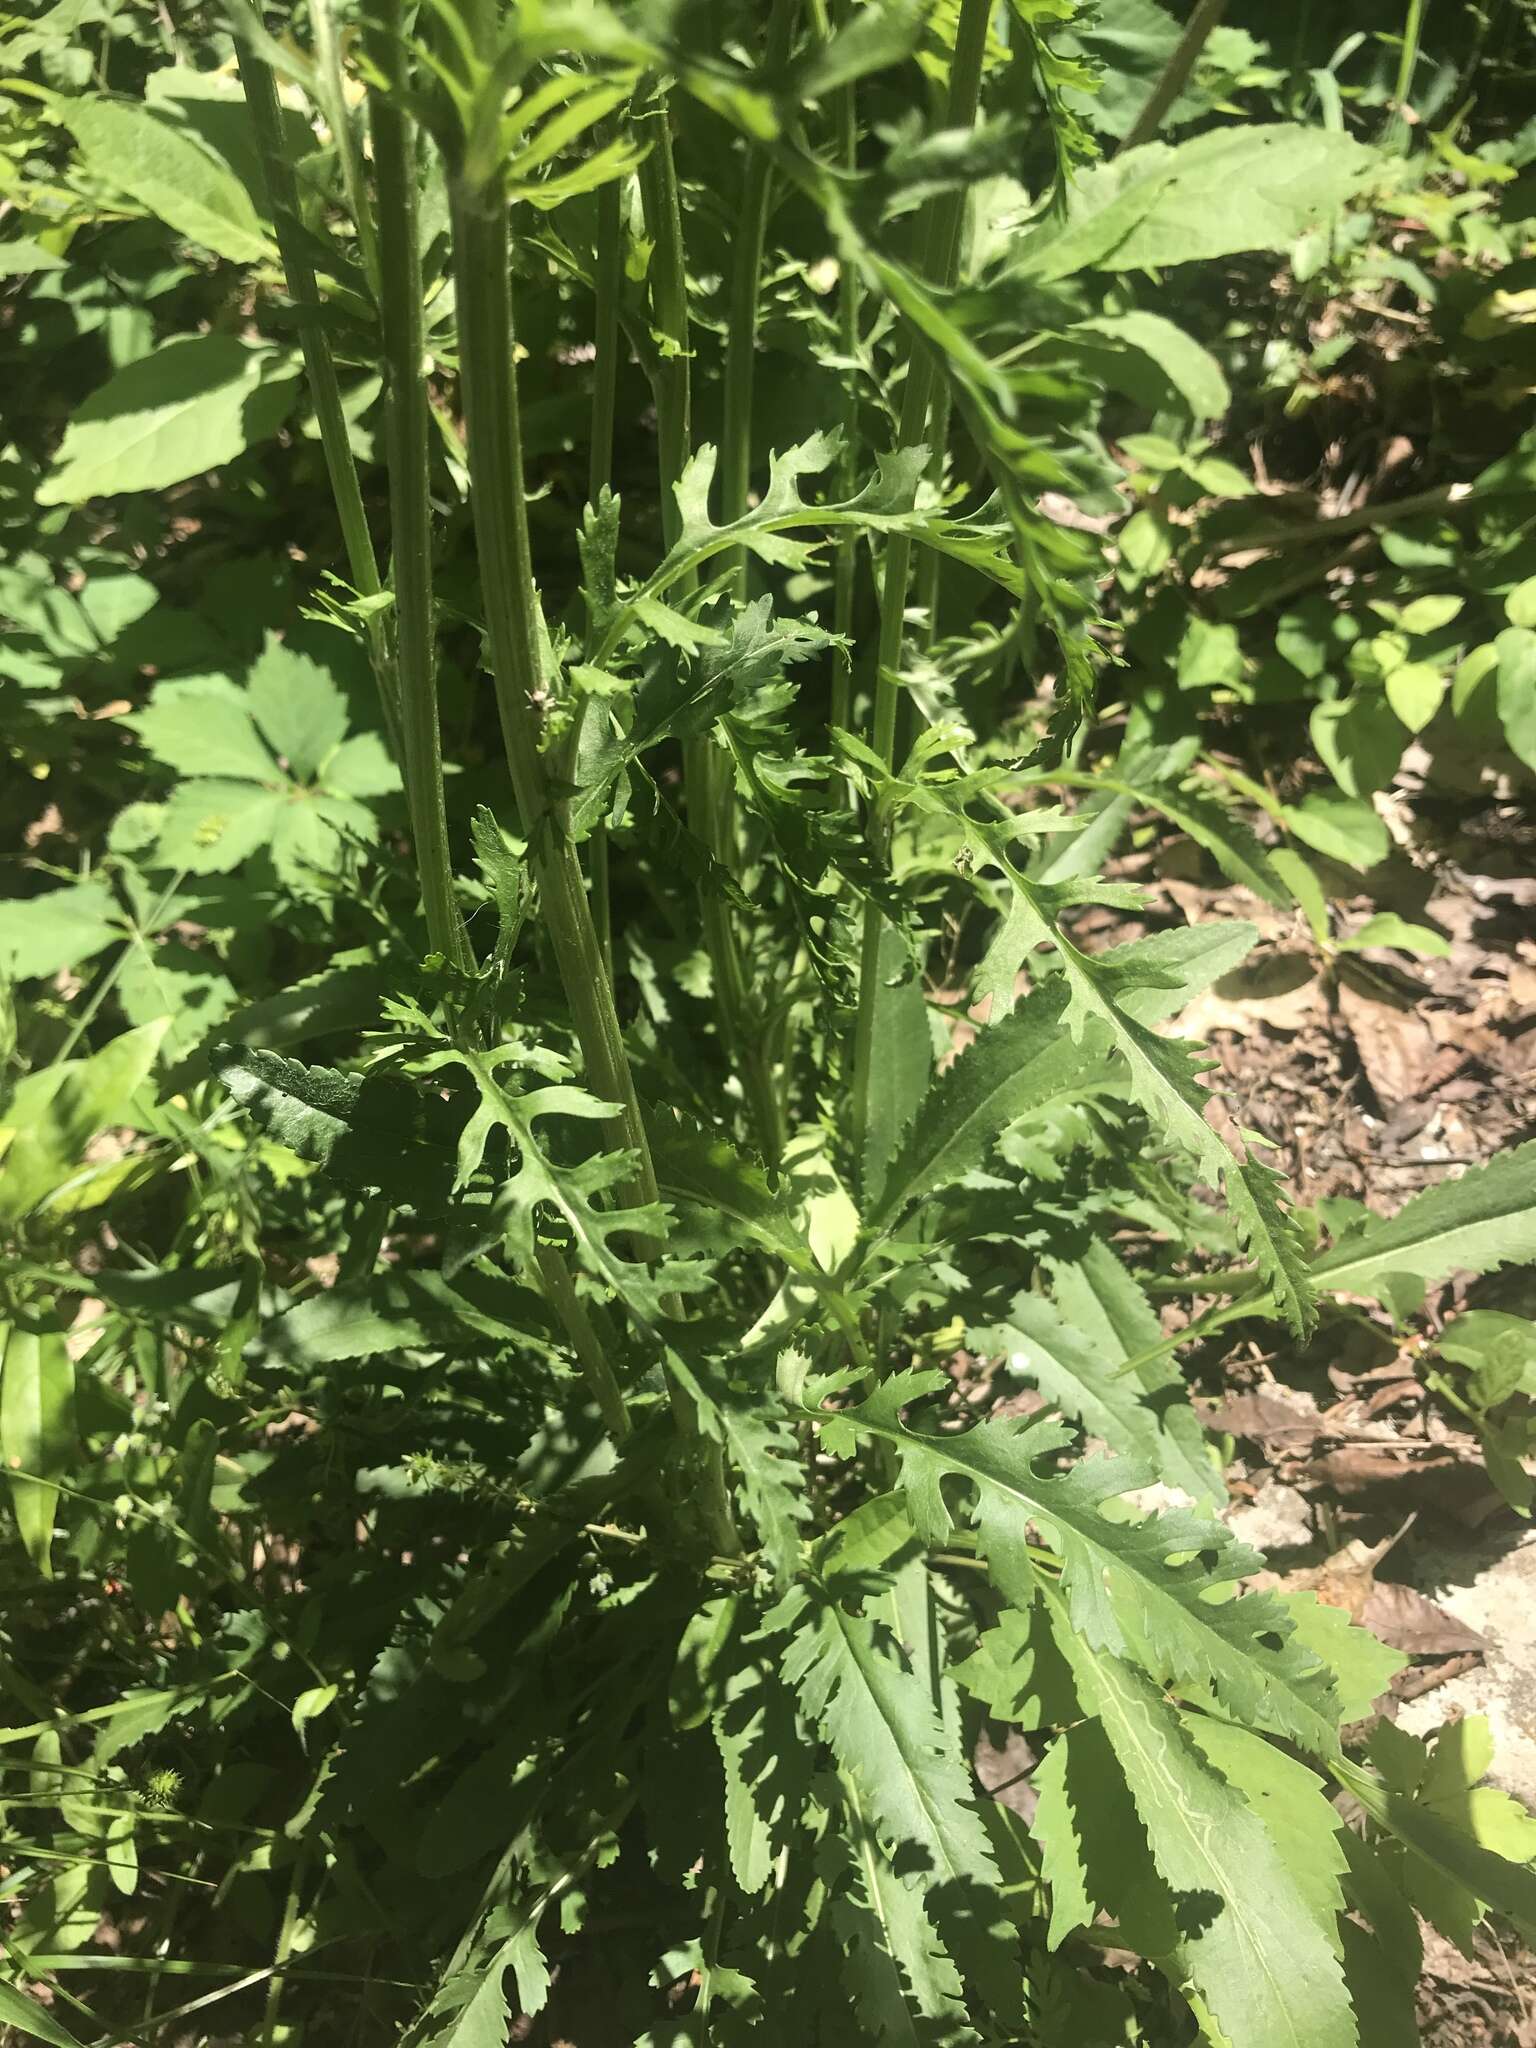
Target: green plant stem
[
  {"x": 605, "y": 367},
  {"x": 705, "y": 770},
  {"x": 849, "y": 294},
  {"x": 320, "y": 366},
  {"x": 749, "y": 237},
  {"x": 322, "y": 17},
  {"x": 410, "y": 504},
  {"x": 1407, "y": 63},
  {"x": 494, "y": 435},
  {"x": 1175, "y": 74},
  {"x": 943, "y": 219},
  {"x": 591, "y": 1354},
  {"x": 605, "y": 387}
]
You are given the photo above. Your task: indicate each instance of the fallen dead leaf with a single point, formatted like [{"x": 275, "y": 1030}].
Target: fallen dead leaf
[
  {"x": 1411, "y": 1623},
  {"x": 1397, "y": 1049},
  {"x": 1270, "y": 1416}
]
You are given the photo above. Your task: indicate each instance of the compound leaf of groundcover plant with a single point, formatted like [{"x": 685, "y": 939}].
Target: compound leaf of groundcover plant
[
  {"x": 204, "y": 727},
  {"x": 209, "y": 827},
  {"x": 299, "y": 709},
  {"x": 1444, "y": 1859},
  {"x": 37, "y": 1432},
  {"x": 1122, "y": 1593},
  {"x": 192, "y": 404},
  {"x": 1236, "y": 188},
  {"x": 375, "y": 1132},
  {"x": 1250, "y": 1933},
  {"x": 1482, "y": 1221},
  {"x": 129, "y": 147},
  {"x": 61, "y": 928}
]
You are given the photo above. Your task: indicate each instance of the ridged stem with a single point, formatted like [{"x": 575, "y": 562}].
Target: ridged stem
[
  {"x": 849, "y": 294},
  {"x": 748, "y": 240},
  {"x": 320, "y": 367},
  {"x": 494, "y": 432},
  {"x": 608, "y": 272},
  {"x": 704, "y": 768},
  {"x": 410, "y": 504},
  {"x": 483, "y": 290},
  {"x": 943, "y": 217}
]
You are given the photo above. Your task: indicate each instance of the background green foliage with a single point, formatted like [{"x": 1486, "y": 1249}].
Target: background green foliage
[{"x": 476, "y": 1541}]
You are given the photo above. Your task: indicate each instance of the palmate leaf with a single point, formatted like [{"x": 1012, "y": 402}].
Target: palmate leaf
[
  {"x": 1454, "y": 1846},
  {"x": 1476, "y": 1224},
  {"x": 1256, "y": 1927},
  {"x": 1122, "y": 1593}
]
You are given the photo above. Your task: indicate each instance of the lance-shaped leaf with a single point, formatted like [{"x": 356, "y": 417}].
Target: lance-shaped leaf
[
  {"x": 1163, "y": 1080},
  {"x": 899, "y": 1971},
  {"x": 1020, "y": 1064},
  {"x": 880, "y": 1721},
  {"x": 1476, "y": 1224},
  {"x": 37, "y": 1431},
  {"x": 1122, "y": 1592},
  {"x": 1254, "y": 1930}
]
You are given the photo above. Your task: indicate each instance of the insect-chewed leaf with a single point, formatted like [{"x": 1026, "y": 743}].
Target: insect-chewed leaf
[
  {"x": 1123, "y": 1594},
  {"x": 375, "y": 1132}
]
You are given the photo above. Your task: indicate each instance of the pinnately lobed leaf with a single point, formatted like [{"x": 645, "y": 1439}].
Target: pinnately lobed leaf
[{"x": 1122, "y": 1592}]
